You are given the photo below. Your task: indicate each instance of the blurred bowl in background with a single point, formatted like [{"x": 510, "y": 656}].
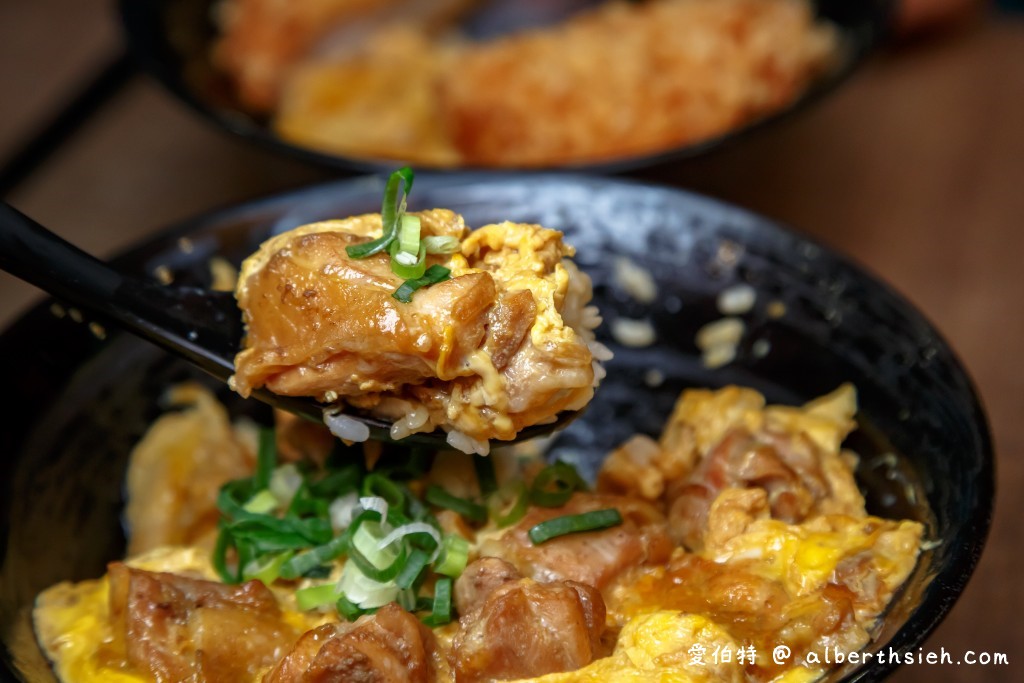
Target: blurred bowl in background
[{"x": 501, "y": 109}]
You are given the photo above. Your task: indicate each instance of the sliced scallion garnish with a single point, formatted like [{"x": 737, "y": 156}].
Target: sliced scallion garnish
[
  {"x": 390, "y": 213},
  {"x": 406, "y": 265},
  {"x": 441, "y": 244},
  {"x": 313, "y": 597},
  {"x": 573, "y": 524},
  {"x": 441, "y": 612},
  {"x": 401, "y": 236},
  {"x": 467, "y": 508},
  {"x": 554, "y": 485},
  {"x": 509, "y": 503},
  {"x": 486, "y": 477},
  {"x": 266, "y": 459},
  {"x": 432, "y": 276},
  {"x": 454, "y": 556}
]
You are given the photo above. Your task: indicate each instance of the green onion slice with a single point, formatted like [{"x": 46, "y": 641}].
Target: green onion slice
[
  {"x": 348, "y": 609},
  {"x": 262, "y": 503},
  {"x": 313, "y": 597},
  {"x": 572, "y": 524},
  {"x": 305, "y": 562},
  {"x": 432, "y": 276},
  {"x": 390, "y": 211},
  {"x": 379, "y": 564},
  {"x": 408, "y": 265},
  {"x": 467, "y": 508},
  {"x": 379, "y": 486},
  {"x": 554, "y": 485},
  {"x": 413, "y": 569},
  {"x": 485, "y": 474},
  {"x": 454, "y": 556},
  {"x": 442, "y": 608},
  {"x": 409, "y": 235},
  {"x": 441, "y": 244},
  {"x": 266, "y": 458},
  {"x": 508, "y": 504}
]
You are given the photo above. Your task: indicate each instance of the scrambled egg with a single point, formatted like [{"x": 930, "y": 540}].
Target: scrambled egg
[{"x": 757, "y": 581}]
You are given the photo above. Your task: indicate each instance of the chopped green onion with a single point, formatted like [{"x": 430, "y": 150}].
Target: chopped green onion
[
  {"x": 467, "y": 508},
  {"x": 409, "y": 235},
  {"x": 554, "y": 485},
  {"x": 313, "y": 597},
  {"x": 485, "y": 475},
  {"x": 262, "y": 503},
  {"x": 285, "y": 481},
  {"x": 508, "y": 504},
  {"x": 348, "y": 609},
  {"x": 336, "y": 483},
  {"x": 441, "y": 244},
  {"x": 266, "y": 459},
  {"x": 410, "y": 574},
  {"x": 572, "y": 524},
  {"x": 390, "y": 212},
  {"x": 408, "y": 265},
  {"x": 442, "y": 609},
  {"x": 432, "y": 276},
  {"x": 225, "y": 541},
  {"x": 454, "y": 556},
  {"x": 380, "y": 564},
  {"x": 266, "y": 568},
  {"x": 382, "y": 487},
  {"x": 304, "y": 562}
]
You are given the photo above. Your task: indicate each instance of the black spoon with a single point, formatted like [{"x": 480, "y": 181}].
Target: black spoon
[{"x": 204, "y": 327}]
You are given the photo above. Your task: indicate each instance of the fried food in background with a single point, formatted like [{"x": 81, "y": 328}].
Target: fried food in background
[
  {"x": 630, "y": 79},
  {"x": 263, "y": 39},
  {"x": 620, "y": 80}
]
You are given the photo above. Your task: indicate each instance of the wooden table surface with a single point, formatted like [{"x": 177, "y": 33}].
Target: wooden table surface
[{"x": 915, "y": 168}]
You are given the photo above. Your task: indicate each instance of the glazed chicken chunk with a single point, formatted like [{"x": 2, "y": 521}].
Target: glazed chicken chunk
[{"x": 504, "y": 344}]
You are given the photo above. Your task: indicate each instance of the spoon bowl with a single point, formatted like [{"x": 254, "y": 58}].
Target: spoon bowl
[{"x": 202, "y": 326}]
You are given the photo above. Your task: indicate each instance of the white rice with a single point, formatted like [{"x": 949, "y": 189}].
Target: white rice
[
  {"x": 737, "y": 299},
  {"x": 634, "y": 280},
  {"x": 633, "y": 333},
  {"x": 345, "y": 427},
  {"x": 467, "y": 444},
  {"x": 415, "y": 417}
]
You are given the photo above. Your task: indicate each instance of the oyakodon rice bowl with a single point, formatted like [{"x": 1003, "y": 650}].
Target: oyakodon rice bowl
[{"x": 72, "y": 459}]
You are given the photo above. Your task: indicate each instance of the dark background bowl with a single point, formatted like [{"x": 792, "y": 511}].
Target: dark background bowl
[
  {"x": 172, "y": 40},
  {"x": 81, "y": 402}
]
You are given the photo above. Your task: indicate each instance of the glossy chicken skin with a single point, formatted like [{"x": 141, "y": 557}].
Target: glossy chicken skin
[
  {"x": 595, "y": 558},
  {"x": 175, "y": 628},
  {"x": 485, "y": 353},
  {"x": 391, "y": 646},
  {"x": 512, "y": 627}
]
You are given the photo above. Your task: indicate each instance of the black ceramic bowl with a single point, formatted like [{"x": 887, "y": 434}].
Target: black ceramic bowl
[
  {"x": 80, "y": 403},
  {"x": 172, "y": 40}
]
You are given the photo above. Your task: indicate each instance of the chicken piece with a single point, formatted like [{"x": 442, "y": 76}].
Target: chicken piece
[
  {"x": 594, "y": 557},
  {"x": 483, "y": 355},
  {"x": 524, "y": 629},
  {"x": 481, "y": 578},
  {"x": 379, "y": 102},
  {"x": 391, "y": 646},
  {"x": 176, "y": 471},
  {"x": 630, "y": 78},
  {"x": 176, "y": 628},
  {"x": 262, "y": 40}
]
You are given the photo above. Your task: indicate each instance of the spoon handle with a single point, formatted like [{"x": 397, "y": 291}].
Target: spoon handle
[{"x": 203, "y": 326}]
